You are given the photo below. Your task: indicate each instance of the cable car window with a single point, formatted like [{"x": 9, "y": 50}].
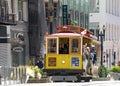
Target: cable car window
[
  {"x": 64, "y": 46},
  {"x": 74, "y": 45},
  {"x": 52, "y": 45}
]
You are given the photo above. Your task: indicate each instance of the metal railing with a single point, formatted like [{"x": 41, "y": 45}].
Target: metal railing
[{"x": 12, "y": 75}]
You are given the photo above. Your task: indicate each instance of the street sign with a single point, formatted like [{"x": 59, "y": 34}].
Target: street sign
[{"x": 65, "y": 14}]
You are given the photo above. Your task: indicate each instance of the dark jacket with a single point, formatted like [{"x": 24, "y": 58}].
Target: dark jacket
[{"x": 39, "y": 64}]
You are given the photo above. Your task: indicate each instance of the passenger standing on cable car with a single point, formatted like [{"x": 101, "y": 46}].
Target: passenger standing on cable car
[
  {"x": 85, "y": 61},
  {"x": 93, "y": 52},
  {"x": 89, "y": 62}
]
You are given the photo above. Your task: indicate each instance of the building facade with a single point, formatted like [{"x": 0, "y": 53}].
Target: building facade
[
  {"x": 77, "y": 10},
  {"x": 37, "y": 27},
  {"x": 107, "y": 13},
  {"x": 14, "y": 46}
]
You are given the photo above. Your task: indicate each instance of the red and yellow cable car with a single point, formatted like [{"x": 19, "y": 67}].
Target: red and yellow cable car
[{"x": 64, "y": 50}]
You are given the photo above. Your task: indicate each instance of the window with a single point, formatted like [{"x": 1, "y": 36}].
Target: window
[
  {"x": 52, "y": 45},
  {"x": 111, "y": 5},
  {"x": 3, "y": 31},
  {"x": 3, "y": 10},
  {"x": 107, "y": 6},
  {"x": 74, "y": 45},
  {"x": 94, "y": 6},
  {"x": 20, "y": 9},
  {"x": 64, "y": 46}
]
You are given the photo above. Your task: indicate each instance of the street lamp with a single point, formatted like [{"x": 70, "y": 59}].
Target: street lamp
[
  {"x": 101, "y": 34},
  {"x": 51, "y": 8}
]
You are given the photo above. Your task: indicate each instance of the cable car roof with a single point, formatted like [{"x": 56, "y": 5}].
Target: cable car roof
[
  {"x": 72, "y": 28},
  {"x": 62, "y": 34},
  {"x": 65, "y": 34},
  {"x": 72, "y": 31}
]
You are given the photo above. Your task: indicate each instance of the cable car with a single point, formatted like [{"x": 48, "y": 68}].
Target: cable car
[{"x": 64, "y": 51}]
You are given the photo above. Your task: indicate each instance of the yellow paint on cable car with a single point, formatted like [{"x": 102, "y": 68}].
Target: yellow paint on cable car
[{"x": 62, "y": 61}]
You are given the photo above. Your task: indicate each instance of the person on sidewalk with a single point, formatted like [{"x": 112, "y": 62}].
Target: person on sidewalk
[{"x": 40, "y": 63}]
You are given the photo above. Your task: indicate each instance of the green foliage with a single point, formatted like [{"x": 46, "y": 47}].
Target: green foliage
[
  {"x": 73, "y": 22},
  {"x": 115, "y": 69},
  {"x": 37, "y": 70},
  {"x": 102, "y": 71}
]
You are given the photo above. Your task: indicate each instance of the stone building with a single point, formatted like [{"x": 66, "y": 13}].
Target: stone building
[{"x": 14, "y": 46}]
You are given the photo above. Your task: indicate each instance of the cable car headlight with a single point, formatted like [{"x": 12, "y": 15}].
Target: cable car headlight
[{"x": 63, "y": 61}]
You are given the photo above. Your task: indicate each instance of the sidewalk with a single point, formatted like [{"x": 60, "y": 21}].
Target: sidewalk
[
  {"x": 93, "y": 83},
  {"x": 30, "y": 84}
]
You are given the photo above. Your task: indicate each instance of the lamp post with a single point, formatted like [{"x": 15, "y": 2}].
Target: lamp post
[
  {"x": 51, "y": 8},
  {"x": 101, "y": 34}
]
